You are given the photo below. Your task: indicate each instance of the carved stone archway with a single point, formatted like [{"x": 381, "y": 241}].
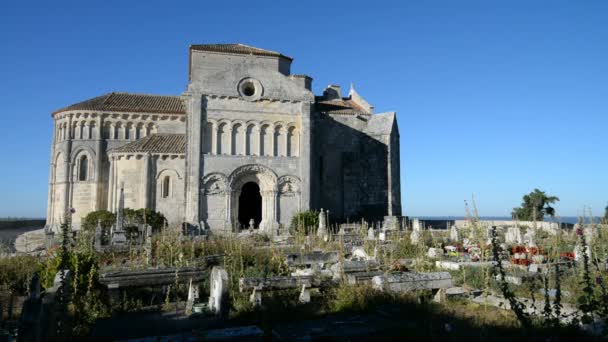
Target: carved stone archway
[{"x": 266, "y": 179}]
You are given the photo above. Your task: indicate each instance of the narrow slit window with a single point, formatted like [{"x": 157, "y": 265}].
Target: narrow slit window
[
  {"x": 166, "y": 186},
  {"x": 84, "y": 168}
]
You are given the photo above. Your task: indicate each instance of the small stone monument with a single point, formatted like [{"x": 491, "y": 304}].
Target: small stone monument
[
  {"x": 118, "y": 234},
  {"x": 530, "y": 237},
  {"x": 218, "y": 294},
  {"x": 513, "y": 235},
  {"x": 371, "y": 234},
  {"x": 98, "y": 232},
  {"x": 322, "y": 230},
  {"x": 251, "y": 224},
  {"x": 454, "y": 234},
  {"x": 192, "y": 296},
  {"x": 416, "y": 232},
  {"x": 304, "y": 295}
]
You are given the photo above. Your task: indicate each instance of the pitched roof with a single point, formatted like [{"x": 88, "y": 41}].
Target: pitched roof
[
  {"x": 343, "y": 106},
  {"x": 155, "y": 143},
  {"x": 240, "y": 49},
  {"x": 128, "y": 102}
]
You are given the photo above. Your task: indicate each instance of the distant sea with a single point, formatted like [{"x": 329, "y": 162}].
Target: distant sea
[{"x": 565, "y": 219}]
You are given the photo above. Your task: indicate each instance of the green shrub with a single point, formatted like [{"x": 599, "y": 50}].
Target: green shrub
[
  {"x": 133, "y": 217},
  {"x": 106, "y": 218},
  {"x": 305, "y": 222},
  {"x": 16, "y": 272}
]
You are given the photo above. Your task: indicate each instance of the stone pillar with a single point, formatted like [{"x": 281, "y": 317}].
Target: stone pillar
[
  {"x": 146, "y": 186},
  {"x": 255, "y": 141},
  {"x": 214, "y": 139},
  {"x": 229, "y": 147},
  {"x": 98, "y": 165},
  {"x": 305, "y": 154},
  {"x": 273, "y": 142},
  {"x": 229, "y": 198},
  {"x": 244, "y": 142},
  {"x": 50, "y": 198},
  {"x": 195, "y": 163},
  {"x": 111, "y": 185}
]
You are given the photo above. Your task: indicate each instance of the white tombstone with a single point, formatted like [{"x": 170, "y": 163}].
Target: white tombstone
[
  {"x": 433, "y": 252},
  {"x": 416, "y": 225},
  {"x": 322, "y": 230},
  {"x": 371, "y": 234},
  {"x": 530, "y": 237},
  {"x": 415, "y": 237},
  {"x": 454, "y": 234},
  {"x": 513, "y": 235},
  {"x": 382, "y": 236},
  {"x": 192, "y": 296},
  {"x": 304, "y": 295},
  {"x": 218, "y": 294}
]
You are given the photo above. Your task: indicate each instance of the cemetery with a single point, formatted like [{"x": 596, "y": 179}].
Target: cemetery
[{"x": 351, "y": 280}]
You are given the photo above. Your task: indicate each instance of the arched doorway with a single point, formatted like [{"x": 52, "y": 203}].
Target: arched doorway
[{"x": 250, "y": 205}]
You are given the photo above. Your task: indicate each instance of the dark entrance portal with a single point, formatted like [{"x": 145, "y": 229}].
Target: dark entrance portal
[{"x": 250, "y": 205}]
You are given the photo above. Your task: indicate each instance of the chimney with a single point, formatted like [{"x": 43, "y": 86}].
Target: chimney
[{"x": 332, "y": 92}]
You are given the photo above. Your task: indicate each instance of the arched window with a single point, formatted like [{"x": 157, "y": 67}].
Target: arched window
[
  {"x": 166, "y": 187},
  {"x": 83, "y": 168}
]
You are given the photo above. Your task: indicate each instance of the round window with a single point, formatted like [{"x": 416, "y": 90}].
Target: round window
[{"x": 250, "y": 89}]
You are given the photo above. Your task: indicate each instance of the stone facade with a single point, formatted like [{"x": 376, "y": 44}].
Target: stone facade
[{"x": 246, "y": 140}]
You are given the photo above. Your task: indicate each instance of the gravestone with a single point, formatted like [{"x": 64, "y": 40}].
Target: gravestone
[
  {"x": 118, "y": 233},
  {"x": 454, "y": 234},
  {"x": 304, "y": 295},
  {"x": 192, "y": 296},
  {"x": 371, "y": 235},
  {"x": 98, "y": 233},
  {"x": 218, "y": 294},
  {"x": 322, "y": 229},
  {"x": 513, "y": 235}
]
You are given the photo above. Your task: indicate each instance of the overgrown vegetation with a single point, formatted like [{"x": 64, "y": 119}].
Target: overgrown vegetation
[{"x": 305, "y": 222}]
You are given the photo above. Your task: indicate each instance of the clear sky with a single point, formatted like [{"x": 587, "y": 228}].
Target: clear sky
[{"x": 494, "y": 98}]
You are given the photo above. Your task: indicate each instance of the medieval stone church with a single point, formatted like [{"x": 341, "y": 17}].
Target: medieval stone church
[{"x": 246, "y": 140}]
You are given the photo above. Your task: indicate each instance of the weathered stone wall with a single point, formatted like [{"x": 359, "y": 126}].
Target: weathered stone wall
[
  {"x": 351, "y": 167},
  {"x": 91, "y": 134}
]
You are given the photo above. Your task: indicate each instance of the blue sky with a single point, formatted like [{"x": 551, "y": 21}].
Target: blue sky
[{"x": 494, "y": 98}]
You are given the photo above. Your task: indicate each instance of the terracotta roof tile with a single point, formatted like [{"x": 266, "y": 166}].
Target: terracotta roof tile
[
  {"x": 343, "y": 106},
  {"x": 155, "y": 143},
  {"x": 240, "y": 49},
  {"x": 127, "y": 102}
]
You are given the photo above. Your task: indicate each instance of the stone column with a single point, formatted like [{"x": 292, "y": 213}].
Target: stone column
[
  {"x": 285, "y": 135},
  {"x": 229, "y": 198},
  {"x": 51, "y": 190},
  {"x": 146, "y": 177},
  {"x": 111, "y": 185},
  {"x": 255, "y": 141},
  {"x": 98, "y": 165},
  {"x": 229, "y": 147},
  {"x": 305, "y": 155},
  {"x": 273, "y": 142},
  {"x": 214, "y": 139},
  {"x": 195, "y": 113},
  {"x": 244, "y": 142}
]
